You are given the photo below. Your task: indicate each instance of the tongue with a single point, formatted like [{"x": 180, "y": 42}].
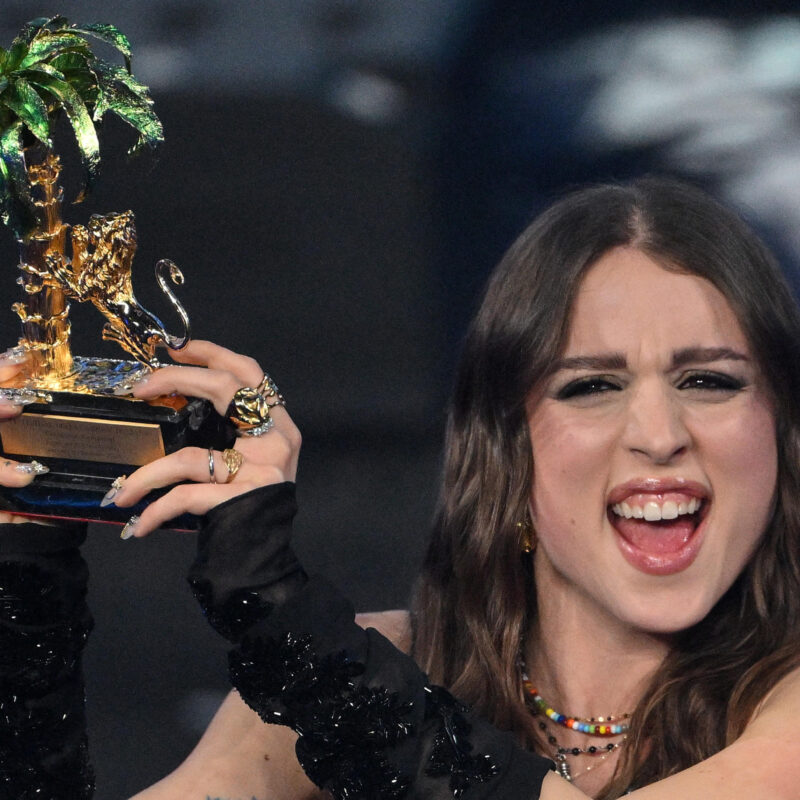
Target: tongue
[{"x": 664, "y": 536}]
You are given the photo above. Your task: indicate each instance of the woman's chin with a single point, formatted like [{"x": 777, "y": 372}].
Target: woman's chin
[{"x": 663, "y": 612}]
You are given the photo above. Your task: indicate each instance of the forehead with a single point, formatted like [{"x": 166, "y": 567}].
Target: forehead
[{"x": 627, "y": 301}]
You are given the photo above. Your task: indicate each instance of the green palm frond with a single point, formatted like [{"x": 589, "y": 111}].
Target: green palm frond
[
  {"x": 110, "y": 35},
  {"x": 67, "y": 97},
  {"x": 50, "y": 68},
  {"x": 36, "y": 26},
  {"x": 16, "y": 204},
  {"x": 77, "y": 70},
  {"x": 21, "y": 45},
  {"x": 23, "y": 99},
  {"x": 44, "y": 47},
  {"x": 121, "y": 94}
]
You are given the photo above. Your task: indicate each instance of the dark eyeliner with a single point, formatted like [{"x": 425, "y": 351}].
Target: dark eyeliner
[
  {"x": 582, "y": 387},
  {"x": 712, "y": 381}
]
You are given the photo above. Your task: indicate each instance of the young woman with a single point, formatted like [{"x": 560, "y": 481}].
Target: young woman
[
  {"x": 614, "y": 572},
  {"x": 626, "y": 410}
]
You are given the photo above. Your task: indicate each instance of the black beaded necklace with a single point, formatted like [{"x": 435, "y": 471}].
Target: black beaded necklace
[{"x": 600, "y": 753}]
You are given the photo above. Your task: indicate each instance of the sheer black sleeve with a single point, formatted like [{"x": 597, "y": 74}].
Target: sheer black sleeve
[
  {"x": 370, "y": 725},
  {"x": 44, "y": 625}
]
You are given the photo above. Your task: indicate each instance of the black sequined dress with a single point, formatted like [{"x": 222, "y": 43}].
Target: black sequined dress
[
  {"x": 370, "y": 724},
  {"x": 44, "y": 625}
]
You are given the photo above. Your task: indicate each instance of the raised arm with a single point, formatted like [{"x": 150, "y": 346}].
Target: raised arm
[{"x": 369, "y": 722}]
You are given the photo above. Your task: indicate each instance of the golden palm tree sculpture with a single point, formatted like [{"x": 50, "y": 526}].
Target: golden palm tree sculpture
[{"x": 50, "y": 71}]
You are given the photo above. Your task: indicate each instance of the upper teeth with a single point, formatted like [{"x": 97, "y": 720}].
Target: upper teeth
[{"x": 653, "y": 511}]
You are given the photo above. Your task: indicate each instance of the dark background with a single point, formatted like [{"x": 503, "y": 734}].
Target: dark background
[{"x": 338, "y": 178}]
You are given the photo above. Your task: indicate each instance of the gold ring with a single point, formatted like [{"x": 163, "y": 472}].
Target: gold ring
[
  {"x": 233, "y": 461},
  {"x": 249, "y": 412}
]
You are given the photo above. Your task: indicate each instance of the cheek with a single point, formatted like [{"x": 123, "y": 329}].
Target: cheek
[
  {"x": 740, "y": 456},
  {"x": 745, "y": 457},
  {"x": 570, "y": 463}
]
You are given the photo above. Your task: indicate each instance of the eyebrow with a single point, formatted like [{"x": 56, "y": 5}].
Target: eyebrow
[
  {"x": 680, "y": 358},
  {"x": 704, "y": 355},
  {"x": 599, "y": 361}
]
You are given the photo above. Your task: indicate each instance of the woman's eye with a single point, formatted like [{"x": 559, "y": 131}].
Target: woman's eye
[
  {"x": 586, "y": 387},
  {"x": 711, "y": 381}
]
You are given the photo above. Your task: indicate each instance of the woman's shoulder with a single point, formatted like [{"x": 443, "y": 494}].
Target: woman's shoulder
[
  {"x": 782, "y": 700},
  {"x": 395, "y": 625}
]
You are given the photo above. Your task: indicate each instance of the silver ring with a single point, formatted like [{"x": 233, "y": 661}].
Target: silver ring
[
  {"x": 269, "y": 391},
  {"x": 211, "y": 464},
  {"x": 259, "y": 430}
]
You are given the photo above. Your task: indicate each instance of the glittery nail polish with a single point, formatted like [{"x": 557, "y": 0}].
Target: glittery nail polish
[
  {"x": 131, "y": 383},
  {"x": 20, "y": 397},
  {"x": 14, "y": 355},
  {"x": 32, "y": 468},
  {"x": 130, "y": 527},
  {"x": 109, "y": 496}
]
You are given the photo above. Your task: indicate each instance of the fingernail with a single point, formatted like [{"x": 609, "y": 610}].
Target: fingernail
[
  {"x": 32, "y": 468},
  {"x": 14, "y": 355},
  {"x": 130, "y": 527},
  {"x": 109, "y": 496},
  {"x": 24, "y": 397},
  {"x": 132, "y": 383}
]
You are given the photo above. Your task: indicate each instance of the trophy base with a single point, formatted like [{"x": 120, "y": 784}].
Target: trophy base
[{"x": 87, "y": 440}]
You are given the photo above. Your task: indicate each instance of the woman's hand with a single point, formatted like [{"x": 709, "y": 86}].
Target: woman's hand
[
  {"x": 13, "y": 473},
  {"x": 214, "y": 373}
]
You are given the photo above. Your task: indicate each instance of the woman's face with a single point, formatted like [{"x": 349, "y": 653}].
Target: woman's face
[{"x": 655, "y": 461}]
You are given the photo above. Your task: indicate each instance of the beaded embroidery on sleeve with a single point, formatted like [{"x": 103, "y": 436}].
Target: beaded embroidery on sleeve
[
  {"x": 40, "y": 654},
  {"x": 370, "y": 725},
  {"x": 347, "y": 730}
]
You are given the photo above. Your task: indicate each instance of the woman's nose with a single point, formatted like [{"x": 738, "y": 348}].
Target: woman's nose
[{"x": 654, "y": 426}]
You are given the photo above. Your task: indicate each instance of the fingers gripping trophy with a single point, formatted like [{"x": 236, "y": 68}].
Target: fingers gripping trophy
[{"x": 80, "y": 418}]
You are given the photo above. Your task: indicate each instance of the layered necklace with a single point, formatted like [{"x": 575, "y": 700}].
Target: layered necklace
[{"x": 611, "y": 725}]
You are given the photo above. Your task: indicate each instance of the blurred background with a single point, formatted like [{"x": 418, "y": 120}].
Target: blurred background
[{"x": 338, "y": 178}]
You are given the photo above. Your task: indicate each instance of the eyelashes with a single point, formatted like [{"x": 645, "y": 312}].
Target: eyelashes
[
  {"x": 711, "y": 381},
  {"x": 584, "y": 387},
  {"x": 708, "y": 382}
]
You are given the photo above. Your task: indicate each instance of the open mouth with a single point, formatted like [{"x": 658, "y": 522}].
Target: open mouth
[{"x": 658, "y": 533}]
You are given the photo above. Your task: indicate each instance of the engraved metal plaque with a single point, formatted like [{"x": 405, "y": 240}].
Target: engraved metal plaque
[{"x": 83, "y": 439}]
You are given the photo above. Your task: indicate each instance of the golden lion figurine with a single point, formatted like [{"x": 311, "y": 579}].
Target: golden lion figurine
[{"x": 100, "y": 272}]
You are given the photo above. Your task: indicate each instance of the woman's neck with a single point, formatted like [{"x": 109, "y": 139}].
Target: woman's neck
[{"x": 587, "y": 663}]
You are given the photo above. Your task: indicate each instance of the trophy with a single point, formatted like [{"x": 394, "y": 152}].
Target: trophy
[{"x": 76, "y": 416}]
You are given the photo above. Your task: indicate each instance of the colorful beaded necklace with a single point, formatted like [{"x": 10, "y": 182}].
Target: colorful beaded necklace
[
  {"x": 591, "y": 750},
  {"x": 601, "y": 726}
]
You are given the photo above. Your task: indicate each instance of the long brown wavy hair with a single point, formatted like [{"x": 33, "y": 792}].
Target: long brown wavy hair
[{"x": 476, "y": 600}]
